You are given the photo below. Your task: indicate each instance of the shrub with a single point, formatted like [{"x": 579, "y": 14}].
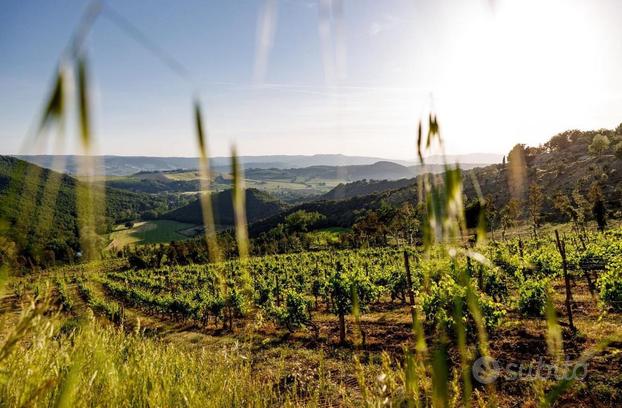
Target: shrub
[
  {"x": 510, "y": 263},
  {"x": 63, "y": 296},
  {"x": 610, "y": 284},
  {"x": 591, "y": 259},
  {"x": 532, "y": 297},
  {"x": 319, "y": 288},
  {"x": 600, "y": 143},
  {"x": 546, "y": 262},
  {"x": 342, "y": 287},
  {"x": 263, "y": 294},
  {"x": 495, "y": 283},
  {"x": 216, "y": 306},
  {"x": 440, "y": 301},
  {"x": 398, "y": 285},
  {"x": 342, "y": 299},
  {"x": 236, "y": 303},
  {"x": 294, "y": 313},
  {"x": 136, "y": 262}
]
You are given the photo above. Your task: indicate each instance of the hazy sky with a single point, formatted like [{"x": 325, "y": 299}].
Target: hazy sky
[{"x": 300, "y": 77}]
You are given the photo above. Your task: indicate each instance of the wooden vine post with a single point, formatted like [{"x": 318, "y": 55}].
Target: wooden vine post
[
  {"x": 561, "y": 247},
  {"x": 411, "y": 292},
  {"x": 590, "y": 284}
]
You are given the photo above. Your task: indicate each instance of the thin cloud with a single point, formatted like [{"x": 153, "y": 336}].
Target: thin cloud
[{"x": 266, "y": 29}]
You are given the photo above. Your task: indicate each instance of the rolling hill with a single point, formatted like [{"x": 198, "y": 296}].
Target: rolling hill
[
  {"x": 153, "y": 183},
  {"x": 345, "y": 191},
  {"x": 259, "y": 205},
  {"x": 378, "y": 185},
  {"x": 129, "y": 165},
  {"x": 297, "y": 183},
  {"x": 563, "y": 164},
  {"x": 382, "y": 170},
  {"x": 37, "y": 221}
]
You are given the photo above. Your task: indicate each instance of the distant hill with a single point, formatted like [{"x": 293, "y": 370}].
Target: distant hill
[
  {"x": 128, "y": 165},
  {"x": 259, "y": 205},
  {"x": 364, "y": 187},
  {"x": 289, "y": 185},
  {"x": 559, "y": 165},
  {"x": 23, "y": 208},
  {"x": 382, "y": 170},
  {"x": 117, "y": 165},
  {"x": 153, "y": 183},
  {"x": 379, "y": 184}
]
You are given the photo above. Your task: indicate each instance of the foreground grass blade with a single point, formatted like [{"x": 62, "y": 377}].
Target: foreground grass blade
[
  {"x": 205, "y": 197},
  {"x": 86, "y": 206},
  {"x": 55, "y": 106},
  {"x": 4, "y": 275},
  {"x": 440, "y": 375},
  {"x": 239, "y": 206},
  {"x": 83, "y": 102},
  {"x": 71, "y": 381},
  {"x": 241, "y": 230}
]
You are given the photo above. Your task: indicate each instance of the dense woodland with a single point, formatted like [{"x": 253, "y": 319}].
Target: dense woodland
[
  {"x": 39, "y": 209},
  {"x": 259, "y": 205}
]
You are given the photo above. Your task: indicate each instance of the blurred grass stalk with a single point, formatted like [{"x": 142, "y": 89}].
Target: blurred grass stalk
[
  {"x": 205, "y": 196},
  {"x": 239, "y": 206},
  {"x": 41, "y": 208},
  {"x": 89, "y": 212},
  {"x": 445, "y": 225},
  {"x": 241, "y": 227}
]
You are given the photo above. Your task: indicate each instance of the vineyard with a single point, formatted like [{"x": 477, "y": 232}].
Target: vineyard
[
  {"x": 352, "y": 326},
  {"x": 311, "y": 203}
]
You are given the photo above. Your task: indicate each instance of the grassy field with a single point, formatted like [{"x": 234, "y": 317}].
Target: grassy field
[
  {"x": 327, "y": 236},
  {"x": 318, "y": 185},
  {"x": 186, "y": 175},
  {"x": 150, "y": 232},
  {"x": 288, "y": 184},
  {"x": 279, "y": 187}
]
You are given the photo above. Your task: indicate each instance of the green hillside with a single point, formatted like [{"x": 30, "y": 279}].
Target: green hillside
[
  {"x": 382, "y": 170},
  {"x": 566, "y": 164},
  {"x": 345, "y": 191},
  {"x": 157, "y": 182},
  {"x": 43, "y": 224},
  {"x": 150, "y": 232},
  {"x": 259, "y": 205}
]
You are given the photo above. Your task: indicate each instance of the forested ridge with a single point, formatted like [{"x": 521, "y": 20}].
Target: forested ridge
[
  {"x": 259, "y": 205},
  {"x": 42, "y": 220},
  {"x": 567, "y": 167}
]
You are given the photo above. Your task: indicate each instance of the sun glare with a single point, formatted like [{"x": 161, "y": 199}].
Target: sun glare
[{"x": 504, "y": 68}]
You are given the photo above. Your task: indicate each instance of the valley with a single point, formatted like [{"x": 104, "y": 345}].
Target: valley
[{"x": 311, "y": 203}]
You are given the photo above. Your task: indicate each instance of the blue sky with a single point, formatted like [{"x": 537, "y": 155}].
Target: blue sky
[{"x": 516, "y": 71}]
